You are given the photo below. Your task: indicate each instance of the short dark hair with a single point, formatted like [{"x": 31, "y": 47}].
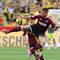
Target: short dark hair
[{"x": 45, "y": 9}]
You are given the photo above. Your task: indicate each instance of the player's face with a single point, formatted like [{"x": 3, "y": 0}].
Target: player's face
[{"x": 44, "y": 13}]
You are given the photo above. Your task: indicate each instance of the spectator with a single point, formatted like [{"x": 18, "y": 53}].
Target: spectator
[
  {"x": 38, "y": 7},
  {"x": 58, "y": 4},
  {"x": 10, "y": 14},
  {"x": 1, "y": 21},
  {"x": 50, "y": 4},
  {"x": 27, "y": 9},
  {"x": 1, "y": 7}
]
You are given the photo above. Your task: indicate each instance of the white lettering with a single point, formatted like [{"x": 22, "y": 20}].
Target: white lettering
[{"x": 42, "y": 24}]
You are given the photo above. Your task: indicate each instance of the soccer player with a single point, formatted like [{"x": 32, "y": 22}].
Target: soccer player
[
  {"x": 50, "y": 36},
  {"x": 37, "y": 29}
]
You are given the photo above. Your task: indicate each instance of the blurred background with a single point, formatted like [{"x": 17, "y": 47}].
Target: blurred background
[{"x": 14, "y": 45}]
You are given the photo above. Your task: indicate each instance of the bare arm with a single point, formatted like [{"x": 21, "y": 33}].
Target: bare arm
[
  {"x": 30, "y": 17},
  {"x": 25, "y": 17}
]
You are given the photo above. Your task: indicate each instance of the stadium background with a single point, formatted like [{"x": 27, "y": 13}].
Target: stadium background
[{"x": 12, "y": 45}]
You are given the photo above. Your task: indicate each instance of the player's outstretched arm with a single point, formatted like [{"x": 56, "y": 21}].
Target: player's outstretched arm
[
  {"x": 30, "y": 17},
  {"x": 25, "y": 17}
]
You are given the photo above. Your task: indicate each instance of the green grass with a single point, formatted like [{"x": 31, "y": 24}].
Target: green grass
[{"x": 20, "y": 53}]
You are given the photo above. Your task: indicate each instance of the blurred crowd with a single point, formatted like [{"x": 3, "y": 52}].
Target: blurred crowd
[
  {"x": 12, "y": 9},
  {"x": 24, "y": 6}
]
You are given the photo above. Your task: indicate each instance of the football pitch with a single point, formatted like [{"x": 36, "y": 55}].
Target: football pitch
[{"x": 20, "y": 53}]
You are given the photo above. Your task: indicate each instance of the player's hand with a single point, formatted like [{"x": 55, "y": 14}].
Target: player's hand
[{"x": 5, "y": 31}]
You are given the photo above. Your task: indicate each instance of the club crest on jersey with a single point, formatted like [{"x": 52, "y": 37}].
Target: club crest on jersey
[{"x": 42, "y": 24}]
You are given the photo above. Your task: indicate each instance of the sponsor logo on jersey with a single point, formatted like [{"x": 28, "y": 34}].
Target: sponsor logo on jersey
[{"x": 42, "y": 24}]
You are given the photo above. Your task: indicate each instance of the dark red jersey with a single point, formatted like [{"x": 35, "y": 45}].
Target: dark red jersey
[{"x": 43, "y": 22}]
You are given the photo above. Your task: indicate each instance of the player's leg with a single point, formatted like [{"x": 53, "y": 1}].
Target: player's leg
[
  {"x": 49, "y": 43},
  {"x": 17, "y": 28},
  {"x": 33, "y": 45},
  {"x": 33, "y": 52},
  {"x": 49, "y": 40},
  {"x": 34, "y": 48},
  {"x": 39, "y": 56},
  {"x": 40, "y": 45},
  {"x": 42, "y": 40},
  {"x": 37, "y": 46},
  {"x": 25, "y": 38},
  {"x": 54, "y": 42},
  {"x": 30, "y": 54},
  {"x": 53, "y": 38}
]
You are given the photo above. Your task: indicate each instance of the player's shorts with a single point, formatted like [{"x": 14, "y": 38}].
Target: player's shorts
[
  {"x": 51, "y": 35},
  {"x": 36, "y": 30}
]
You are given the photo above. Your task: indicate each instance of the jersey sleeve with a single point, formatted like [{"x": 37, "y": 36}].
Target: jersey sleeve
[
  {"x": 52, "y": 22},
  {"x": 34, "y": 17}
]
